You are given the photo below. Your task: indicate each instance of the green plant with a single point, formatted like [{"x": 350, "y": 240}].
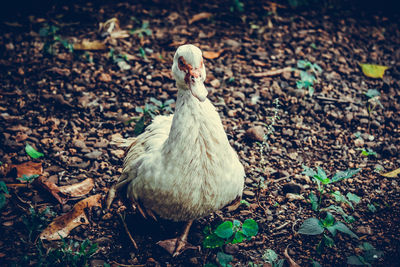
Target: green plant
[
  {"x": 373, "y": 101},
  {"x": 308, "y": 73},
  {"x": 272, "y": 258},
  {"x": 49, "y": 33},
  {"x": 229, "y": 233},
  {"x": 28, "y": 178},
  {"x": 3, "y": 191},
  {"x": 119, "y": 59},
  {"x": 143, "y": 30},
  {"x": 149, "y": 111},
  {"x": 237, "y": 6},
  {"x": 264, "y": 146},
  {"x": 367, "y": 258},
  {"x": 315, "y": 226},
  {"x": 36, "y": 221},
  {"x": 72, "y": 254},
  {"x": 367, "y": 152}
]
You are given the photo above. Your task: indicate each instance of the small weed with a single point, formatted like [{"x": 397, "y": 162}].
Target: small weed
[
  {"x": 49, "y": 33},
  {"x": 308, "y": 73},
  {"x": 272, "y": 258},
  {"x": 367, "y": 152},
  {"x": 229, "y": 233},
  {"x": 28, "y": 178},
  {"x": 237, "y": 6},
  {"x": 371, "y": 207},
  {"x": 36, "y": 221},
  {"x": 367, "y": 258},
  {"x": 149, "y": 111},
  {"x": 373, "y": 101},
  {"x": 119, "y": 59},
  {"x": 315, "y": 226},
  {"x": 3, "y": 191},
  {"x": 263, "y": 147},
  {"x": 143, "y": 30}
]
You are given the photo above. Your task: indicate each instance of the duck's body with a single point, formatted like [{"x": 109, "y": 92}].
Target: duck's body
[{"x": 182, "y": 167}]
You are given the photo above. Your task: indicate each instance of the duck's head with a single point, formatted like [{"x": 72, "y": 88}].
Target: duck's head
[{"x": 189, "y": 71}]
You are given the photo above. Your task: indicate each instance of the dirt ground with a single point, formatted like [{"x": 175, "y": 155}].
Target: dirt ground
[{"x": 71, "y": 104}]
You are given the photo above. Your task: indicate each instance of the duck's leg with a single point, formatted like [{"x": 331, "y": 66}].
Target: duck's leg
[{"x": 176, "y": 246}]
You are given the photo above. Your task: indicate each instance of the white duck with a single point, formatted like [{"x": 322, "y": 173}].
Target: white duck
[{"x": 182, "y": 167}]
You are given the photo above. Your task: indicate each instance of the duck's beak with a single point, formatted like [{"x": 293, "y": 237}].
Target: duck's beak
[{"x": 198, "y": 89}]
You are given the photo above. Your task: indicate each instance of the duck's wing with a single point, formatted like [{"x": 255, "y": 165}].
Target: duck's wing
[{"x": 150, "y": 141}]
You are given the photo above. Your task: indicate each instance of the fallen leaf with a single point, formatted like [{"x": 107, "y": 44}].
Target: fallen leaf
[
  {"x": 78, "y": 189},
  {"x": 392, "y": 174},
  {"x": 212, "y": 55},
  {"x": 28, "y": 168},
  {"x": 33, "y": 153},
  {"x": 90, "y": 45},
  {"x": 373, "y": 71},
  {"x": 200, "y": 16},
  {"x": 50, "y": 187},
  {"x": 61, "y": 226}
]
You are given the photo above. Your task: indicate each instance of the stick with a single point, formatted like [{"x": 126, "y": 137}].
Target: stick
[
  {"x": 271, "y": 72},
  {"x": 127, "y": 231}
]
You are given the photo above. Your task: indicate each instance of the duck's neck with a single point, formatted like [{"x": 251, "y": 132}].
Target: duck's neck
[{"x": 196, "y": 126}]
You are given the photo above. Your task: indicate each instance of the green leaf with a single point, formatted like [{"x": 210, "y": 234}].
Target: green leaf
[
  {"x": 308, "y": 171},
  {"x": 239, "y": 237},
  {"x": 341, "y": 175},
  {"x": 366, "y": 246},
  {"x": 311, "y": 226},
  {"x": 270, "y": 256},
  {"x": 353, "y": 197},
  {"x": 329, "y": 220},
  {"x": 236, "y": 224},
  {"x": 28, "y": 178},
  {"x": 213, "y": 241},
  {"x": 315, "y": 263},
  {"x": 155, "y": 101},
  {"x": 373, "y": 71},
  {"x": 340, "y": 198},
  {"x": 356, "y": 260},
  {"x": 311, "y": 91},
  {"x": 372, "y": 93},
  {"x": 314, "y": 201},
  {"x": 339, "y": 210},
  {"x": 139, "y": 126},
  {"x": 32, "y": 152},
  {"x": 328, "y": 242},
  {"x": 250, "y": 227},
  {"x": 322, "y": 175},
  {"x": 224, "y": 259},
  {"x": 224, "y": 230},
  {"x": 303, "y": 64},
  {"x": 169, "y": 102},
  {"x": 371, "y": 207},
  {"x": 3, "y": 187},
  {"x": 344, "y": 229},
  {"x": 2, "y": 200}
]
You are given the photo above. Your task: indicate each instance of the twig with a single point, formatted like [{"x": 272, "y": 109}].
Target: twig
[
  {"x": 292, "y": 263},
  {"x": 127, "y": 231},
  {"x": 324, "y": 98},
  {"x": 271, "y": 72},
  {"x": 281, "y": 226}
]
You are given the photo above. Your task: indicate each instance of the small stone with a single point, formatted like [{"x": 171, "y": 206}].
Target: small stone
[
  {"x": 359, "y": 142},
  {"x": 249, "y": 193},
  {"x": 270, "y": 218},
  {"x": 231, "y": 249},
  {"x": 349, "y": 117},
  {"x": 94, "y": 154},
  {"x": 239, "y": 95},
  {"x": 256, "y": 133},
  {"x": 365, "y": 230},
  {"x": 105, "y": 77},
  {"x": 292, "y": 197},
  {"x": 291, "y": 188},
  {"x": 287, "y": 131},
  {"x": 119, "y": 153},
  {"x": 215, "y": 83},
  {"x": 79, "y": 144}
]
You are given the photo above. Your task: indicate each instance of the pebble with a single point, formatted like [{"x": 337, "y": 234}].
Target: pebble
[
  {"x": 366, "y": 230},
  {"x": 359, "y": 142},
  {"x": 255, "y": 133},
  {"x": 94, "y": 154},
  {"x": 215, "y": 83},
  {"x": 239, "y": 95},
  {"x": 79, "y": 143},
  {"x": 292, "y": 197}
]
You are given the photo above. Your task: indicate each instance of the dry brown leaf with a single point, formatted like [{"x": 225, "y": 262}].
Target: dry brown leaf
[
  {"x": 90, "y": 45},
  {"x": 62, "y": 225},
  {"x": 392, "y": 174},
  {"x": 200, "y": 16},
  {"x": 50, "y": 187},
  {"x": 78, "y": 189},
  {"x": 212, "y": 55},
  {"x": 28, "y": 168}
]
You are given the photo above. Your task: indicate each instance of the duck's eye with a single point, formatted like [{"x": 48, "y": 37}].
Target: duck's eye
[{"x": 181, "y": 62}]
